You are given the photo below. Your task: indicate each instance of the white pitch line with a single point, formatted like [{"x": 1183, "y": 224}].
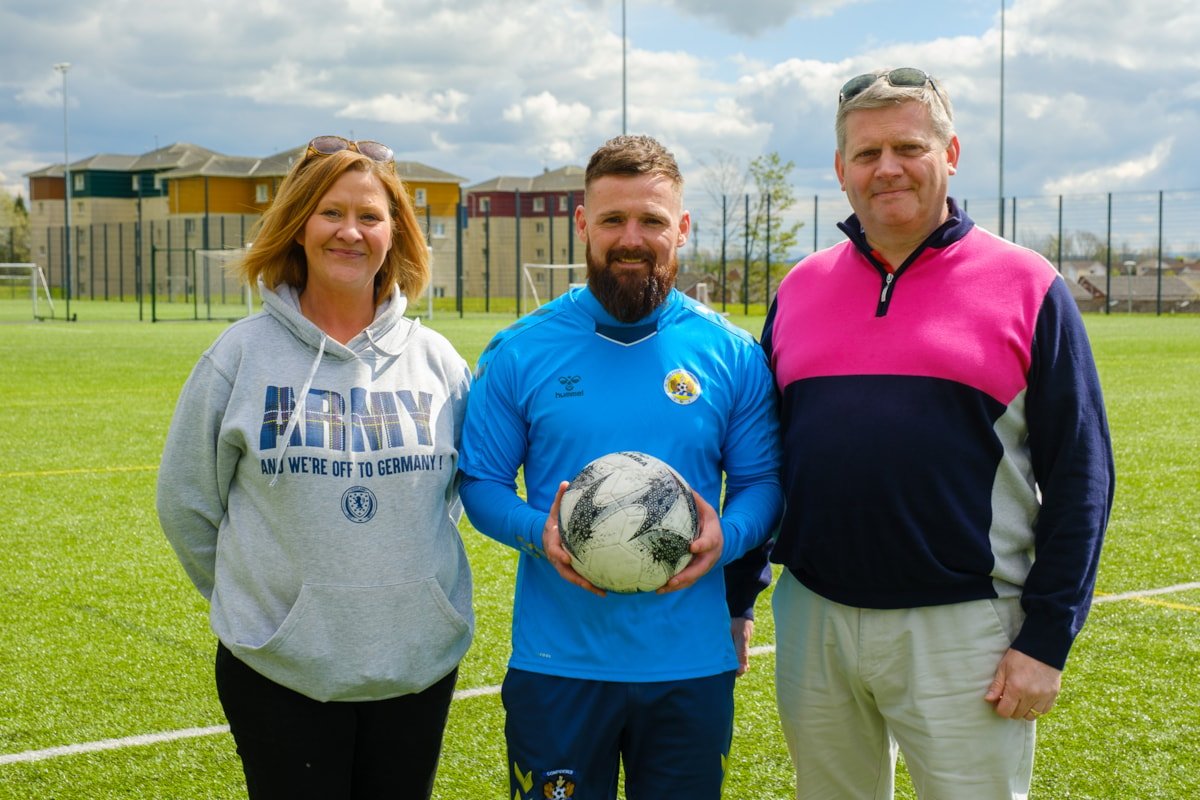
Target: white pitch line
[
  {"x": 165, "y": 736},
  {"x": 467, "y": 694},
  {"x": 462, "y": 694},
  {"x": 1110, "y": 598},
  {"x": 110, "y": 744}
]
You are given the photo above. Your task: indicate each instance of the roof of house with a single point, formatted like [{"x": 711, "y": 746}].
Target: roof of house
[
  {"x": 1140, "y": 287},
  {"x": 179, "y": 155},
  {"x": 182, "y": 160},
  {"x": 414, "y": 171},
  {"x": 563, "y": 179}
]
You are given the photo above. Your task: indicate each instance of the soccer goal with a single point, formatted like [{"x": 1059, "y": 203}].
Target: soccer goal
[
  {"x": 223, "y": 295},
  {"x": 544, "y": 282},
  {"x": 27, "y": 280}
]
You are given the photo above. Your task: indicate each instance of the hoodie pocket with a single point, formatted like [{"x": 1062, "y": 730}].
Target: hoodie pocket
[{"x": 363, "y": 642}]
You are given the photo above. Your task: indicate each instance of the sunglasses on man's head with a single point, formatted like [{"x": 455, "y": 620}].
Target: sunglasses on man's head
[
  {"x": 328, "y": 145},
  {"x": 909, "y": 77}
]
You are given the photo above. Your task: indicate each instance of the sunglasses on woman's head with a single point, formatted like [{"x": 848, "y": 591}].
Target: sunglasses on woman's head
[{"x": 328, "y": 145}]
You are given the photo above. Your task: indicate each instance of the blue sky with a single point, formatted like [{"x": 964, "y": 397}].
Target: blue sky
[{"x": 1100, "y": 95}]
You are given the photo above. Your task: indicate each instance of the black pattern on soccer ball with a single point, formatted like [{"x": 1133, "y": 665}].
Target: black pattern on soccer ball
[{"x": 627, "y": 520}]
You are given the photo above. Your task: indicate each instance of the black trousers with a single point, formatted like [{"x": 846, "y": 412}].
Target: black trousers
[{"x": 293, "y": 747}]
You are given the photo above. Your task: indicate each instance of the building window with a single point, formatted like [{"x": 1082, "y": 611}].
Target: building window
[
  {"x": 485, "y": 205},
  {"x": 540, "y": 227},
  {"x": 262, "y": 193},
  {"x": 562, "y": 203},
  {"x": 539, "y": 205},
  {"x": 438, "y": 230},
  {"x": 419, "y": 198},
  {"x": 78, "y": 182},
  {"x": 541, "y": 254}
]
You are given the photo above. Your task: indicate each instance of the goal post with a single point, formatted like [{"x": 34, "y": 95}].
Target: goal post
[
  {"x": 544, "y": 282},
  {"x": 223, "y": 295},
  {"x": 21, "y": 276}
]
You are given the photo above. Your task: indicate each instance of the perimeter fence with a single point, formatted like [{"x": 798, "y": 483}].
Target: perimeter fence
[{"x": 1121, "y": 252}]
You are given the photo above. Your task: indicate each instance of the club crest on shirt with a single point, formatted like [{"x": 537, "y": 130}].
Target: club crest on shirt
[
  {"x": 358, "y": 504},
  {"x": 682, "y": 387}
]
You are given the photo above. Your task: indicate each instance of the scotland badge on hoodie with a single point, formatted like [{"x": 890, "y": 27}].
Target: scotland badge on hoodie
[{"x": 358, "y": 504}]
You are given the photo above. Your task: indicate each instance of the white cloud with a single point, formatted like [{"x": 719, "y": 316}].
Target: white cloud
[
  {"x": 287, "y": 82},
  {"x": 1150, "y": 35},
  {"x": 545, "y": 110},
  {"x": 554, "y": 129},
  {"x": 436, "y": 107},
  {"x": 487, "y": 87},
  {"x": 1114, "y": 177},
  {"x": 45, "y": 91},
  {"x": 755, "y": 17}
]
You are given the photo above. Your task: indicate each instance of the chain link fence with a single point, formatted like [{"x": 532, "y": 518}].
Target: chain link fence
[{"x": 1121, "y": 252}]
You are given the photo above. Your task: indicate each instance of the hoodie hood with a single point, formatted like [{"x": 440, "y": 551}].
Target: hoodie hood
[{"x": 385, "y": 337}]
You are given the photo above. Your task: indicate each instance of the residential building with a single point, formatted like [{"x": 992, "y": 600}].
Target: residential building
[
  {"x": 111, "y": 196},
  {"x": 139, "y": 221},
  {"x": 513, "y": 221}
]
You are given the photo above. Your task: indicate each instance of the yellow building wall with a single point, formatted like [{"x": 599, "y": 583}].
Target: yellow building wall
[
  {"x": 442, "y": 198},
  {"x": 220, "y": 196}
]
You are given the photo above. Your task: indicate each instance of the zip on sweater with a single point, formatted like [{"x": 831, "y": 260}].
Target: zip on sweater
[
  {"x": 945, "y": 234},
  {"x": 890, "y": 276}
]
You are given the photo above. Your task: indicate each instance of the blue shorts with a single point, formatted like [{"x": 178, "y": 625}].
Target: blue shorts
[{"x": 567, "y": 737}]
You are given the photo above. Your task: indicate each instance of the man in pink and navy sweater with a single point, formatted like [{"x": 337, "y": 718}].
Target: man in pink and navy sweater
[{"x": 948, "y": 471}]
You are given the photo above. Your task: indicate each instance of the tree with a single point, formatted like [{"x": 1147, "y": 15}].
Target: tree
[
  {"x": 769, "y": 236},
  {"x": 1074, "y": 245},
  {"x": 14, "y": 229},
  {"x": 724, "y": 182},
  {"x": 750, "y": 217}
]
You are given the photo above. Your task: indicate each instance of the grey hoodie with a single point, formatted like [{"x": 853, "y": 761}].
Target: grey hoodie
[{"x": 309, "y": 490}]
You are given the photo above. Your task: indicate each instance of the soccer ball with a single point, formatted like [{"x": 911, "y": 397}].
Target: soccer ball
[{"x": 627, "y": 520}]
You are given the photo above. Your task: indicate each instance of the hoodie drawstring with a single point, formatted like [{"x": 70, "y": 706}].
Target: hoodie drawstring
[{"x": 299, "y": 408}]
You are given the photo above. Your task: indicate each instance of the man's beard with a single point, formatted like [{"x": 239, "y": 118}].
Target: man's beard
[{"x": 628, "y": 295}]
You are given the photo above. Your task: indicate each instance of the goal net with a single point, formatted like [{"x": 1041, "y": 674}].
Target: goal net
[
  {"x": 26, "y": 281},
  {"x": 544, "y": 282}
]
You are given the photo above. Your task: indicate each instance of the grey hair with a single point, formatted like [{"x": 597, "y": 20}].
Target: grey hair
[{"x": 881, "y": 94}]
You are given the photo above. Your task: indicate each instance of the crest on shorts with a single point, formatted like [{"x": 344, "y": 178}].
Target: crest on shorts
[{"x": 558, "y": 785}]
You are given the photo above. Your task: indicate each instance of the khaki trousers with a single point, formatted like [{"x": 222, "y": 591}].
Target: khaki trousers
[{"x": 854, "y": 686}]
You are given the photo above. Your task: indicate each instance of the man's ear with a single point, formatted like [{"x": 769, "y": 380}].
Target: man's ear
[
  {"x": 952, "y": 154},
  {"x": 685, "y": 227},
  {"x": 580, "y": 223}
]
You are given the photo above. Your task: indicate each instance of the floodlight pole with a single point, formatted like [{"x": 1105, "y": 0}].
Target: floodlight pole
[
  {"x": 1001, "y": 166},
  {"x": 624, "y": 79},
  {"x": 62, "y": 68}
]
